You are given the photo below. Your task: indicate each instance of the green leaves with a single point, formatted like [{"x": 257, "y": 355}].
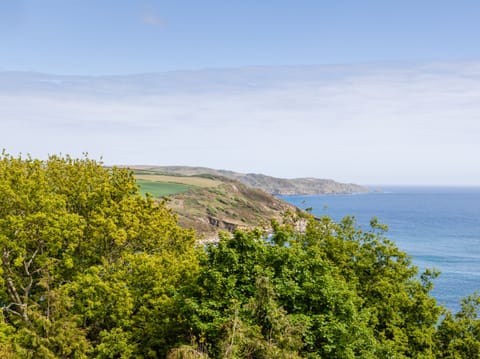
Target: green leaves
[
  {"x": 91, "y": 269},
  {"x": 458, "y": 335},
  {"x": 88, "y": 265},
  {"x": 333, "y": 291}
]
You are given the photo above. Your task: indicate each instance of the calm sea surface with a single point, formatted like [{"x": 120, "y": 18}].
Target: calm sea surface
[{"x": 438, "y": 226}]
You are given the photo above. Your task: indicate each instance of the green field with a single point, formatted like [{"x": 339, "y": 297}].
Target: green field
[
  {"x": 161, "y": 189},
  {"x": 186, "y": 180}
]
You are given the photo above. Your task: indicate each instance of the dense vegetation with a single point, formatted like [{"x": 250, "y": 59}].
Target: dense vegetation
[{"x": 91, "y": 269}]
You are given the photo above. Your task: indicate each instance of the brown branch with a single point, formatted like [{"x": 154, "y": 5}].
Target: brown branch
[
  {"x": 16, "y": 299},
  {"x": 12, "y": 291},
  {"x": 9, "y": 310},
  {"x": 27, "y": 265}
]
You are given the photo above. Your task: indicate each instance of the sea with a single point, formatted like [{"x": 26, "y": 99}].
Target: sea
[{"x": 439, "y": 227}]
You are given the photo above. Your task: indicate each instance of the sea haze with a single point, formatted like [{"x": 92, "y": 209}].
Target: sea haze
[{"x": 438, "y": 226}]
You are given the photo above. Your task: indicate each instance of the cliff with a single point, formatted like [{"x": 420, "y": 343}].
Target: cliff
[{"x": 269, "y": 184}]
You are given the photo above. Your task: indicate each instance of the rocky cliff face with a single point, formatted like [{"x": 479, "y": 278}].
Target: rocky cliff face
[{"x": 226, "y": 207}]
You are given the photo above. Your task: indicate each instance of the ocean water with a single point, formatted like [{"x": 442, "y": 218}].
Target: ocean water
[{"x": 438, "y": 227}]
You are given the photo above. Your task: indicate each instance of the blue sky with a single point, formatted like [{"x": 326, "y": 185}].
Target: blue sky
[
  {"x": 372, "y": 92},
  {"x": 94, "y": 37}
]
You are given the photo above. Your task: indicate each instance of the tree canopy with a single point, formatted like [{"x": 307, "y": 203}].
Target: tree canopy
[{"x": 90, "y": 268}]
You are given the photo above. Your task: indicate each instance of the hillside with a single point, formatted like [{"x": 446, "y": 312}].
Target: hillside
[
  {"x": 272, "y": 185},
  {"x": 210, "y": 203},
  {"x": 229, "y": 206}
]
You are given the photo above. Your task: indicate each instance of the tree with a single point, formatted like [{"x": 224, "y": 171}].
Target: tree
[
  {"x": 458, "y": 335},
  {"x": 333, "y": 290},
  {"x": 91, "y": 269},
  {"x": 71, "y": 234}
]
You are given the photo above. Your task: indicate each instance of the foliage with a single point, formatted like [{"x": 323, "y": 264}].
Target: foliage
[
  {"x": 330, "y": 291},
  {"x": 92, "y": 269},
  {"x": 88, "y": 265},
  {"x": 458, "y": 335}
]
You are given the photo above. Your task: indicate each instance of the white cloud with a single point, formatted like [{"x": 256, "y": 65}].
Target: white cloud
[{"x": 415, "y": 124}]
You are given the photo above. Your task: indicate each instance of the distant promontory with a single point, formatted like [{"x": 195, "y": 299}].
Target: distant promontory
[{"x": 269, "y": 184}]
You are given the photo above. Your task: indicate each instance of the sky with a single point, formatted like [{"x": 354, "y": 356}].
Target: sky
[{"x": 372, "y": 92}]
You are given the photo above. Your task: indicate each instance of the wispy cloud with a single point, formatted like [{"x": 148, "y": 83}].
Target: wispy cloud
[
  {"x": 408, "y": 124},
  {"x": 153, "y": 20}
]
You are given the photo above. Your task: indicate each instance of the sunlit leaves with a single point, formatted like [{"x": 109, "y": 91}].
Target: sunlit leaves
[
  {"x": 85, "y": 260},
  {"x": 91, "y": 269}
]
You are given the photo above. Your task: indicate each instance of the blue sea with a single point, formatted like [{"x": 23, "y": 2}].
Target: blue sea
[{"x": 438, "y": 226}]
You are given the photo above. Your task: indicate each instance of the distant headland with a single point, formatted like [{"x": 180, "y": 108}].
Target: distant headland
[{"x": 269, "y": 184}]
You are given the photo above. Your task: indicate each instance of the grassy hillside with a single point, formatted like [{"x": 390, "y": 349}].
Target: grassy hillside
[
  {"x": 211, "y": 203},
  {"x": 160, "y": 185},
  {"x": 227, "y": 207},
  {"x": 161, "y": 189},
  {"x": 196, "y": 181},
  {"x": 273, "y": 185}
]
